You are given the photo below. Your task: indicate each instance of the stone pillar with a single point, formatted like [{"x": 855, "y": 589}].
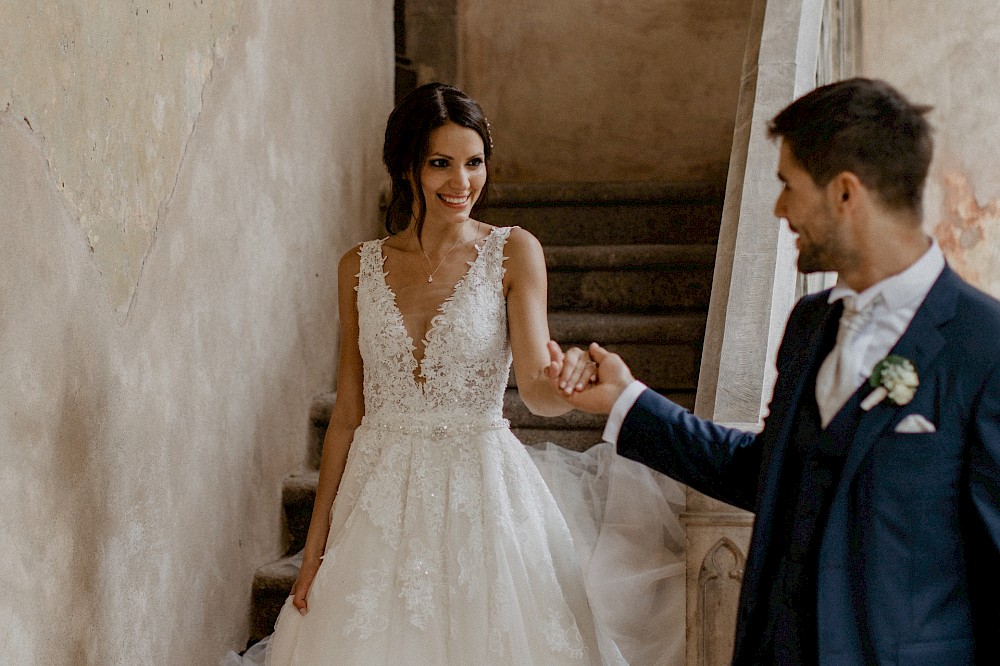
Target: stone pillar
[
  {"x": 717, "y": 538},
  {"x": 753, "y": 291},
  {"x": 839, "y": 58}
]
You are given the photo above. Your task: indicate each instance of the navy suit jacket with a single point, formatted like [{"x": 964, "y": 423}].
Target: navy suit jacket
[{"x": 909, "y": 564}]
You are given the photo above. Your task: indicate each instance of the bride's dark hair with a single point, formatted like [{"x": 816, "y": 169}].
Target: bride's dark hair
[{"x": 407, "y": 135}]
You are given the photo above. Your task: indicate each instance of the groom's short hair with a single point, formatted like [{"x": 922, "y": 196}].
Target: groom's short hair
[{"x": 863, "y": 126}]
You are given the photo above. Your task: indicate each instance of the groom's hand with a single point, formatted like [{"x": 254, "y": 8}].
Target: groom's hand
[{"x": 613, "y": 376}]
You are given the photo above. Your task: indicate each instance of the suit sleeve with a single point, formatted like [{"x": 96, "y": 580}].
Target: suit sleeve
[
  {"x": 717, "y": 461},
  {"x": 723, "y": 463}
]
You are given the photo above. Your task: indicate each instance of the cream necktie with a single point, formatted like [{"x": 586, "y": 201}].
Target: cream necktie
[{"x": 837, "y": 377}]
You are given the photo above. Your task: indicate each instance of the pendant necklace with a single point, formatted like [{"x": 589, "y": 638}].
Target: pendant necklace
[{"x": 430, "y": 276}]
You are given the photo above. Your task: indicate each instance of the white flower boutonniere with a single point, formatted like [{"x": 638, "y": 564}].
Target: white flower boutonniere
[{"x": 894, "y": 377}]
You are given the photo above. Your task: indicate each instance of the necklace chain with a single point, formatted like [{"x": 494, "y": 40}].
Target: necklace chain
[{"x": 430, "y": 275}]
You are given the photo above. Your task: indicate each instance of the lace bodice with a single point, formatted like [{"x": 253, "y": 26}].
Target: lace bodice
[{"x": 466, "y": 350}]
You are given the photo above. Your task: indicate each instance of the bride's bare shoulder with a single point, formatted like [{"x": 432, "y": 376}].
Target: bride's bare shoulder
[
  {"x": 397, "y": 242},
  {"x": 522, "y": 245},
  {"x": 350, "y": 261}
]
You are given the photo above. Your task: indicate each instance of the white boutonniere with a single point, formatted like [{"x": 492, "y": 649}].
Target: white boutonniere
[{"x": 894, "y": 377}]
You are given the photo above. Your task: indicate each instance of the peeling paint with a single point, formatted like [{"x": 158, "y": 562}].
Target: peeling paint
[
  {"x": 946, "y": 61},
  {"x": 969, "y": 232}
]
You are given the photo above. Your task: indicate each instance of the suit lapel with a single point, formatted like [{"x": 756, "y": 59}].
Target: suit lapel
[
  {"x": 804, "y": 362},
  {"x": 811, "y": 355},
  {"x": 921, "y": 343}
]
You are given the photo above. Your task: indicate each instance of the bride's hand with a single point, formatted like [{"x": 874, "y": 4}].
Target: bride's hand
[
  {"x": 300, "y": 589},
  {"x": 613, "y": 377},
  {"x": 570, "y": 371}
]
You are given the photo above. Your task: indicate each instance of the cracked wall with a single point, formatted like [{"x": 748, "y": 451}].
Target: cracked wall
[
  {"x": 168, "y": 267},
  {"x": 948, "y": 59},
  {"x": 114, "y": 89}
]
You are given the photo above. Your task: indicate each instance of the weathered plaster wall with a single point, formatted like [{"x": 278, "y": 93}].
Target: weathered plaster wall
[
  {"x": 598, "y": 90},
  {"x": 948, "y": 59},
  {"x": 132, "y": 73},
  {"x": 142, "y": 449}
]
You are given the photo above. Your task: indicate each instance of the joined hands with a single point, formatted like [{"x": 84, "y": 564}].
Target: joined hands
[{"x": 589, "y": 380}]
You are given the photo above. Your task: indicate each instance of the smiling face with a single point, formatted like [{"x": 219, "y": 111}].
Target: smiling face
[
  {"x": 822, "y": 239},
  {"x": 454, "y": 173}
]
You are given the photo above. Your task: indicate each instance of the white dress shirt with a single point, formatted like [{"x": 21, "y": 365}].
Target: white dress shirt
[{"x": 894, "y": 301}]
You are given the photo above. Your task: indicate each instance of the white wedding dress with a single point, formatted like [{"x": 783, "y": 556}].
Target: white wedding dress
[{"x": 447, "y": 543}]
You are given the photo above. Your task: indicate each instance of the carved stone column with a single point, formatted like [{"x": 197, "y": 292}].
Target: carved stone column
[{"x": 717, "y": 539}]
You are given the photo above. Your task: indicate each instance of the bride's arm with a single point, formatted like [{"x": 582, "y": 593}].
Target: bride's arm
[
  {"x": 347, "y": 412},
  {"x": 526, "y": 287}
]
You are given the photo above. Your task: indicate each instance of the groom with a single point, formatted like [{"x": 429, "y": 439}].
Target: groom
[{"x": 877, "y": 533}]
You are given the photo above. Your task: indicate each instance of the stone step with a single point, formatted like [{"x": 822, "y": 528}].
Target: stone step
[
  {"x": 319, "y": 420},
  {"x": 629, "y": 257},
  {"x": 678, "y": 328},
  {"x": 630, "y": 278},
  {"x": 576, "y": 431},
  {"x": 609, "y": 213},
  {"x": 272, "y": 583},
  {"x": 595, "y": 193},
  {"x": 297, "y": 495}
]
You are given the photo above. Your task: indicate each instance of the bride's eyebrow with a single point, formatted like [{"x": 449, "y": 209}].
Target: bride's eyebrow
[{"x": 449, "y": 157}]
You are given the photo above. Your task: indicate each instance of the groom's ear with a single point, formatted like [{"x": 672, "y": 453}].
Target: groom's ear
[{"x": 843, "y": 190}]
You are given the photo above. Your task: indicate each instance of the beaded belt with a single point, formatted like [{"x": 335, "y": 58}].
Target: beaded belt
[{"x": 411, "y": 426}]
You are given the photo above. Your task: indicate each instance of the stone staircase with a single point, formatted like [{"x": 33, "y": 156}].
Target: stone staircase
[{"x": 630, "y": 265}]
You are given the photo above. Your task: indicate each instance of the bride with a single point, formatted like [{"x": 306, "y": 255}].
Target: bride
[{"x": 435, "y": 537}]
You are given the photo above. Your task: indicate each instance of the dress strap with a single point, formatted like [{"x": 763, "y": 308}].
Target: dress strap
[
  {"x": 371, "y": 251},
  {"x": 492, "y": 251},
  {"x": 371, "y": 262}
]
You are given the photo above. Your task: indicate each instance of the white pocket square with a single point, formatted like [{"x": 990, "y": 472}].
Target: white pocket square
[{"x": 915, "y": 423}]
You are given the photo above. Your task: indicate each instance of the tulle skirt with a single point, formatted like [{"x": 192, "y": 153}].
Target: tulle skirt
[
  {"x": 490, "y": 552},
  {"x": 625, "y": 522}
]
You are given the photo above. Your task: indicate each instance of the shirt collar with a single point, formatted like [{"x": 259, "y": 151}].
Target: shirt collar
[{"x": 902, "y": 289}]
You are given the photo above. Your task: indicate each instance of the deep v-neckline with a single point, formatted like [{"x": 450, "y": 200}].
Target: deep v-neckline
[{"x": 417, "y": 365}]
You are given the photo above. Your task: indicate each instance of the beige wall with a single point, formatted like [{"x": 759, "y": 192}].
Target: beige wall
[
  {"x": 948, "y": 59},
  {"x": 599, "y": 90},
  {"x": 176, "y": 188}
]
